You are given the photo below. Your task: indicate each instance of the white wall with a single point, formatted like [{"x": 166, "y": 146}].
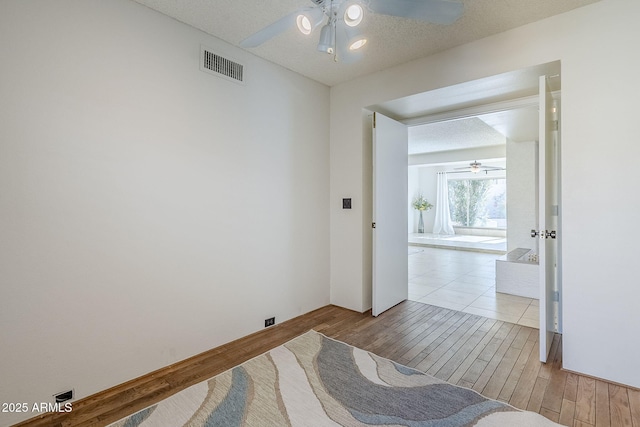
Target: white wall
[
  {"x": 521, "y": 194},
  {"x": 600, "y": 67},
  {"x": 148, "y": 211}
]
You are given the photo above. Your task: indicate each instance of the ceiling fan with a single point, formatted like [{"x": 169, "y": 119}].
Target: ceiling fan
[
  {"x": 340, "y": 36},
  {"x": 476, "y": 167}
]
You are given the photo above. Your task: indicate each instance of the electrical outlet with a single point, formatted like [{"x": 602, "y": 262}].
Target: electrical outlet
[
  {"x": 269, "y": 322},
  {"x": 64, "y": 396}
]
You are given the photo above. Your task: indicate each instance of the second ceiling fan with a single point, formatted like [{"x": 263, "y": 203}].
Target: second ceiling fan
[{"x": 476, "y": 167}]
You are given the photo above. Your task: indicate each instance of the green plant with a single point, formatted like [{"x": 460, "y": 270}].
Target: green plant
[{"x": 421, "y": 204}]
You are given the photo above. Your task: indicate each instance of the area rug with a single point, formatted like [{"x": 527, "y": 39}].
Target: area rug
[{"x": 314, "y": 380}]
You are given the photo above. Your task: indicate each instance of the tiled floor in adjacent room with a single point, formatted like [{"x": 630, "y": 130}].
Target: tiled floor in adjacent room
[{"x": 465, "y": 281}]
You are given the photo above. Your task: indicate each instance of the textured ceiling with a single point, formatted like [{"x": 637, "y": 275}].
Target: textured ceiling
[
  {"x": 518, "y": 125},
  {"x": 453, "y": 135},
  {"x": 392, "y": 40}
]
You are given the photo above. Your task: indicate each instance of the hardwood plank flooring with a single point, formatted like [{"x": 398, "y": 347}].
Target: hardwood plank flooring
[{"x": 495, "y": 358}]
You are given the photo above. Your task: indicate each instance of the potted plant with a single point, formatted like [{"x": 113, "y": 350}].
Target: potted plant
[{"x": 421, "y": 205}]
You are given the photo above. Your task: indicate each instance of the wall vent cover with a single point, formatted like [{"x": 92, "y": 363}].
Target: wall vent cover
[{"x": 213, "y": 63}]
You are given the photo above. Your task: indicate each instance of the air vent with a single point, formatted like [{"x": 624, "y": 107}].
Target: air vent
[{"x": 211, "y": 62}]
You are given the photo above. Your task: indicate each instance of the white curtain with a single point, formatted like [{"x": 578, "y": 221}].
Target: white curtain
[{"x": 442, "y": 223}]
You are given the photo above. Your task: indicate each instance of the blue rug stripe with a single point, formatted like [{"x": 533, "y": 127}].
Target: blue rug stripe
[
  {"x": 230, "y": 412},
  {"x": 465, "y": 417},
  {"x": 139, "y": 417},
  {"x": 336, "y": 368}
]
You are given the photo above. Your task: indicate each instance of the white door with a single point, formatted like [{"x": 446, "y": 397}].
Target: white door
[
  {"x": 547, "y": 219},
  {"x": 390, "y": 172}
]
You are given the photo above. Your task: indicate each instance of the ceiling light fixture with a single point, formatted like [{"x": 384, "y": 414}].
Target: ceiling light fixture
[
  {"x": 353, "y": 40},
  {"x": 349, "y": 44},
  {"x": 304, "y": 24},
  {"x": 308, "y": 19},
  {"x": 327, "y": 39},
  {"x": 358, "y": 44},
  {"x": 327, "y": 43},
  {"x": 353, "y": 15}
]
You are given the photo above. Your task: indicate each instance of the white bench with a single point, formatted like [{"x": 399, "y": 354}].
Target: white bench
[{"x": 517, "y": 274}]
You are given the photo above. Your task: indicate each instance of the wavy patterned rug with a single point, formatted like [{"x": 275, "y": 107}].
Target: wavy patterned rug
[{"x": 317, "y": 381}]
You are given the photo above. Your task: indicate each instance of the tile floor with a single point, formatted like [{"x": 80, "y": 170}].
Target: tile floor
[{"x": 465, "y": 281}]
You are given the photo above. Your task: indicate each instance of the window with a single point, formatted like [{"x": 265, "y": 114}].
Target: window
[{"x": 479, "y": 203}]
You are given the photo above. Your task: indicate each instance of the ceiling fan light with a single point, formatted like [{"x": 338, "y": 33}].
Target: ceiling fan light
[
  {"x": 327, "y": 39},
  {"x": 304, "y": 24},
  {"x": 353, "y": 15},
  {"x": 357, "y": 44}
]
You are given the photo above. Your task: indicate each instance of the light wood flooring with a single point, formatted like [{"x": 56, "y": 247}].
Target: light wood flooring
[{"x": 495, "y": 358}]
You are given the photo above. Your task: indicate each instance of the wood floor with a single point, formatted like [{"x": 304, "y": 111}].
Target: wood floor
[{"x": 497, "y": 359}]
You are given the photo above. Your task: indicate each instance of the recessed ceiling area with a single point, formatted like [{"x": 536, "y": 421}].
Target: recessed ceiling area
[
  {"x": 518, "y": 125},
  {"x": 485, "y": 130},
  {"x": 479, "y": 113},
  {"x": 465, "y": 99},
  {"x": 453, "y": 135}
]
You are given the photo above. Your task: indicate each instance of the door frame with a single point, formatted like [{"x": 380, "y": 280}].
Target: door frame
[{"x": 495, "y": 107}]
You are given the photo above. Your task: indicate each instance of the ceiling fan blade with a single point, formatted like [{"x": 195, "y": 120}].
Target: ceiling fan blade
[
  {"x": 436, "y": 11},
  {"x": 280, "y": 26}
]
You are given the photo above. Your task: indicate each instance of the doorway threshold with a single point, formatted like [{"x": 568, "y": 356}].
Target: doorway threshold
[{"x": 485, "y": 244}]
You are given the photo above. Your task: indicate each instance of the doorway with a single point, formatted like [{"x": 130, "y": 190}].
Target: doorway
[
  {"x": 457, "y": 270},
  {"x": 495, "y": 100}
]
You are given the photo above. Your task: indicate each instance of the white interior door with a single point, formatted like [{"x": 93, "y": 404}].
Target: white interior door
[
  {"x": 547, "y": 219},
  {"x": 390, "y": 169}
]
